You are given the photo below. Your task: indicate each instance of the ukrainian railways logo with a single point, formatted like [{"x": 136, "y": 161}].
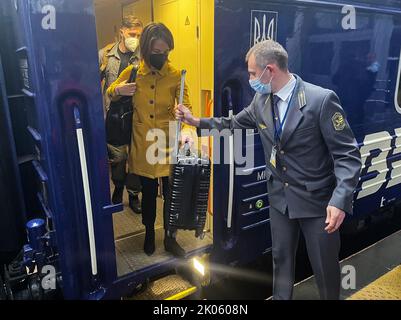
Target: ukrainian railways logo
[{"x": 263, "y": 26}]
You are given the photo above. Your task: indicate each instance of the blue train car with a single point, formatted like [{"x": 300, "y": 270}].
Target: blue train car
[
  {"x": 91, "y": 249},
  {"x": 360, "y": 62}
]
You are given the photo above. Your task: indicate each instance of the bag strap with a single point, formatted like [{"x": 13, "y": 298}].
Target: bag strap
[
  {"x": 133, "y": 75},
  {"x": 131, "y": 79}
]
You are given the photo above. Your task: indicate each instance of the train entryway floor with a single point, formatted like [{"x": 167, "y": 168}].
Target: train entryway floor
[{"x": 129, "y": 234}]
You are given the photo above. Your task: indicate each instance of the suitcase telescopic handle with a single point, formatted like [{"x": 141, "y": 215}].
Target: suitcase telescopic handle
[{"x": 179, "y": 124}]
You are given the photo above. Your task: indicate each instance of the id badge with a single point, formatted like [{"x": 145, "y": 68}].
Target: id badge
[{"x": 273, "y": 157}]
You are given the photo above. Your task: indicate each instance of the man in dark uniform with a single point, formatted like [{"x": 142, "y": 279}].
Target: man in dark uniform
[{"x": 313, "y": 165}]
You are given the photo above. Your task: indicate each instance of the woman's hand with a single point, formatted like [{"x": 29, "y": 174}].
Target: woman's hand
[
  {"x": 125, "y": 89},
  {"x": 182, "y": 113}
]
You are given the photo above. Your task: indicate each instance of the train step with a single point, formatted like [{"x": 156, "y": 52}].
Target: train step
[{"x": 172, "y": 287}]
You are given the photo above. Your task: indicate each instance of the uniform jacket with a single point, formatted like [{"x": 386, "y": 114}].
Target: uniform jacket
[{"x": 318, "y": 160}]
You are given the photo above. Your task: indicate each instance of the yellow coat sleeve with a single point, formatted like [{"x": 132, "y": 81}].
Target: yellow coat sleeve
[{"x": 124, "y": 76}]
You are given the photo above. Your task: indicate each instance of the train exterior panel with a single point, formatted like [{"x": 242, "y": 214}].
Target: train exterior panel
[{"x": 360, "y": 62}]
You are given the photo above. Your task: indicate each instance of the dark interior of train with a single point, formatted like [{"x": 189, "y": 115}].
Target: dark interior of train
[{"x": 129, "y": 232}]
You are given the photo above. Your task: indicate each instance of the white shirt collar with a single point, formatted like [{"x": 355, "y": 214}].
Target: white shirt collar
[{"x": 285, "y": 92}]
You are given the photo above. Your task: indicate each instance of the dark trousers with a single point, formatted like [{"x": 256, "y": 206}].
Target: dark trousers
[
  {"x": 118, "y": 162},
  {"x": 149, "y": 196},
  {"x": 323, "y": 251}
]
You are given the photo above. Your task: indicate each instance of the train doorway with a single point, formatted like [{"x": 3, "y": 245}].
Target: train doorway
[{"x": 191, "y": 23}]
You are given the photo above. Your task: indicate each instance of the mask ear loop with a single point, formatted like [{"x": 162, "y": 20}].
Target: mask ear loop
[
  {"x": 271, "y": 80},
  {"x": 260, "y": 77}
]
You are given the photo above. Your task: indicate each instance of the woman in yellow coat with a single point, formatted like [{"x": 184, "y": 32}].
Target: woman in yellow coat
[{"x": 155, "y": 95}]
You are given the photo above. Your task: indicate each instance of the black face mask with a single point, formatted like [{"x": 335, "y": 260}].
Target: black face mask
[{"x": 158, "y": 60}]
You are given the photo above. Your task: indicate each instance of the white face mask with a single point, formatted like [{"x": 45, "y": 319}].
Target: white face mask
[{"x": 131, "y": 43}]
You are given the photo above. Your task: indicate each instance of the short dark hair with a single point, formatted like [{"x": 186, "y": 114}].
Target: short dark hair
[
  {"x": 267, "y": 52},
  {"x": 131, "y": 22},
  {"x": 151, "y": 33}
]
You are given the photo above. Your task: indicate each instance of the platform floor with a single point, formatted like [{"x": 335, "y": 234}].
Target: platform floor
[
  {"x": 376, "y": 266},
  {"x": 387, "y": 287},
  {"x": 129, "y": 234}
]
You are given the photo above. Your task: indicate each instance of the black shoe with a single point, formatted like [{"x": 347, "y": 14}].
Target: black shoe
[
  {"x": 149, "y": 245},
  {"x": 171, "y": 245},
  {"x": 117, "y": 197},
  {"x": 135, "y": 203}
]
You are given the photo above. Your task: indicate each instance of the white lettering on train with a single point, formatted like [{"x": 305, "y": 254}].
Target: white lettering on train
[
  {"x": 380, "y": 143},
  {"x": 261, "y": 175}
]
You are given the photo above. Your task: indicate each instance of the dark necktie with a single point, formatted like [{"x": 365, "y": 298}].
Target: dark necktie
[{"x": 276, "y": 100}]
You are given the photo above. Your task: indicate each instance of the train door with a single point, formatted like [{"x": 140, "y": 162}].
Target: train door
[
  {"x": 183, "y": 18},
  {"x": 53, "y": 75}
]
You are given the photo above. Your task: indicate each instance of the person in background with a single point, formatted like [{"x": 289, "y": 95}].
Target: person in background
[
  {"x": 115, "y": 58},
  {"x": 157, "y": 91}
]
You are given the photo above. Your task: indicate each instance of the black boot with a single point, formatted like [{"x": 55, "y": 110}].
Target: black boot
[
  {"x": 117, "y": 197},
  {"x": 135, "y": 203},
  {"x": 149, "y": 245},
  {"x": 171, "y": 245}
]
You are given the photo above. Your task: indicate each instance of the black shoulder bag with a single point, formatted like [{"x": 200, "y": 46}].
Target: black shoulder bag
[{"x": 119, "y": 118}]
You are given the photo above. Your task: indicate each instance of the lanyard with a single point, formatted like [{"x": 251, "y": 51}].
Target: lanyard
[{"x": 277, "y": 132}]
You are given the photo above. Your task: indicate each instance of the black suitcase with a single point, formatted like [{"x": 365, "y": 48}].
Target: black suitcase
[
  {"x": 189, "y": 194},
  {"x": 189, "y": 185}
]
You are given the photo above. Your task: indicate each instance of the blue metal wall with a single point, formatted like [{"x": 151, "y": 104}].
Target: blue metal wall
[
  {"x": 59, "y": 72},
  {"x": 322, "y": 52}
]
